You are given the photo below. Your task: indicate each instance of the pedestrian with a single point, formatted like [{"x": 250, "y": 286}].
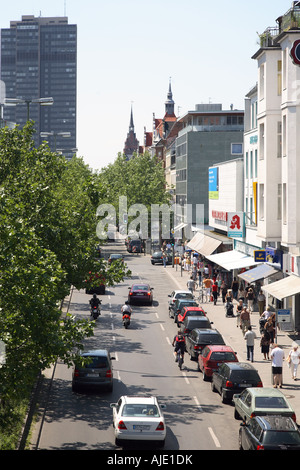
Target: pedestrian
[
  {"x": 191, "y": 285},
  {"x": 277, "y": 356},
  {"x": 239, "y": 309},
  {"x": 242, "y": 293},
  {"x": 293, "y": 360},
  {"x": 223, "y": 291},
  {"x": 264, "y": 317},
  {"x": 207, "y": 284},
  {"x": 164, "y": 259},
  {"x": 235, "y": 288},
  {"x": 244, "y": 320},
  {"x": 261, "y": 300},
  {"x": 219, "y": 282},
  {"x": 265, "y": 344},
  {"x": 250, "y": 337},
  {"x": 269, "y": 327},
  {"x": 250, "y": 299},
  {"x": 215, "y": 292}
]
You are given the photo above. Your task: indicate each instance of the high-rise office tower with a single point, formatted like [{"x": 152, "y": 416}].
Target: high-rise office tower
[{"x": 39, "y": 60}]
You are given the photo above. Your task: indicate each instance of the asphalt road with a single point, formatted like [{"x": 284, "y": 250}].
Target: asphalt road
[{"x": 195, "y": 417}]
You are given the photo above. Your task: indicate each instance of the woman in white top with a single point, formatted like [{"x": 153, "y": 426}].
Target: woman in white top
[{"x": 293, "y": 360}]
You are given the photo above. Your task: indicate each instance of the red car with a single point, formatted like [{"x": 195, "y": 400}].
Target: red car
[
  {"x": 140, "y": 293},
  {"x": 190, "y": 311},
  {"x": 212, "y": 357}
]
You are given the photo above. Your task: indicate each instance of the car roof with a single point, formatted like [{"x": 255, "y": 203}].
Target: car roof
[
  {"x": 277, "y": 423},
  {"x": 138, "y": 399},
  {"x": 265, "y": 392},
  {"x": 96, "y": 352},
  {"x": 140, "y": 284},
  {"x": 182, "y": 292},
  {"x": 240, "y": 366},
  {"x": 219, "y": 347},
  {"x": 196, "y": 318},
  {"x": 197, "y": 309}
]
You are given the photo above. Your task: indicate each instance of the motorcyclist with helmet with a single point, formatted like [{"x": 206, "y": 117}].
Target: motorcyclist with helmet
[{"x": 95, "y": 302}]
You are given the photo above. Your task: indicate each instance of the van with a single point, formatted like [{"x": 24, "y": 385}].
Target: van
[{"x": 134, "y": 246}]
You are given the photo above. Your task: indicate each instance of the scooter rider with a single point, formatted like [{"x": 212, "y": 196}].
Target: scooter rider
[
  {"x": 95, "y": 302},
  {"x": 126, "y": 308}
]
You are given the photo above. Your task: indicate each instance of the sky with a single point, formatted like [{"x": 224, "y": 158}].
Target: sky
[{"x": 129, "y": 49}]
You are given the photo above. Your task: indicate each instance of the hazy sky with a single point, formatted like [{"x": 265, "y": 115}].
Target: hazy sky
[{"x": 128, "y": 49}]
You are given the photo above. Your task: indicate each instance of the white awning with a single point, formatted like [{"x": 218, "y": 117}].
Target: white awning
[
  {"x": 260, "y": 272},
  {"x": 233, "y": 259},
  {"x": 284, "y": 288},
  {"x": 203, "y": 244}
]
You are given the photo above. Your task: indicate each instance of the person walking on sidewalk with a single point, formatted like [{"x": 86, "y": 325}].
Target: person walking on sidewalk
[
  {"x": 223, "y": 291},
  {"x": 215, "y": 292},
  {"x": 245, "y": 320},
  {"x": 191, "y": 285},
  {"x": 250, "y": 299},
  {"x": 250, "y": 337},
  {"x": 261, "y": 300},
  {"x": 277, "y": 356},
  {"x": 235, "y": 288},
  {"x": 239, "y": 309},
  {"x": 265, "y": 344},
  {"x": 293, "y": 360},
  {"x": 207, "y": 284}
]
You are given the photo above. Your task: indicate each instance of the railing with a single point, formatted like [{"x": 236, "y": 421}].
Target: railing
[
  {"x": 291, "y": 20},
  {"x": 268, "y": 37}
]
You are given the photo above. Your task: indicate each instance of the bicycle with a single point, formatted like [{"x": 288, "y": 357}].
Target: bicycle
[{"x": 180, "y": 356}]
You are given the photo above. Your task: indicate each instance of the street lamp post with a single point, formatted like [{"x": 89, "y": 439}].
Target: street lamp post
[
  {"x": 55, "y": 134},
  {"x": 15, "y": 101}
]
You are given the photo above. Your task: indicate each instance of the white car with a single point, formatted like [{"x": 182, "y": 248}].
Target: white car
[
  {"x": 179, "y": 294},
  {"x": 138, "y": 418}
]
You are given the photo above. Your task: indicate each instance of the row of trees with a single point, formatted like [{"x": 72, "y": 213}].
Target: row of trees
[{"x": 48, "y": 236}]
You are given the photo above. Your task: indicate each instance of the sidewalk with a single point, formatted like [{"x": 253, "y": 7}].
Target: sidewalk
[{"x": 233, "y": 337}]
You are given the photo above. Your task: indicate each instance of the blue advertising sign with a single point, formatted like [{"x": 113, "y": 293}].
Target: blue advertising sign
[
  {"x": 260, "y": 256},
  {"x": 213, "y": 183}
]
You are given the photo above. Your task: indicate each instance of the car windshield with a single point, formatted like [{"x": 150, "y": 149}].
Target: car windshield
[
  {"x": 184, "y": 295},
  {"x": 96, "y": 362},
  {"x": 139, "y": 288},
  {"x": 270, "y": 402},
  {"x": 291, "y": 438},
  {"x": 187, "y": 303},
  {"x": 196, "y": 313},
  {"x": 210, "y": 339},
  {"x": 140, "y": 411},
  {"x": 222, "y": 356}
]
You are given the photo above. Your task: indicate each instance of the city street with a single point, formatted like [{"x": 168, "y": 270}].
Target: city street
[{"x": 144, "y": 364}]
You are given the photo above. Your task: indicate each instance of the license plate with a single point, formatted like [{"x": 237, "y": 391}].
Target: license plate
[
  {"x": 139, "y": 293},
  {"x": 140, "y": 427},
  {"x": 245, "y": 385},
  {"x": 92, "y": 375}
]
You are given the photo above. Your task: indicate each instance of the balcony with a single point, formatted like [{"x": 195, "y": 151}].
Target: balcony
[
  {"x": 291, "y": 19},
  {"x": 268, "y": 37}
]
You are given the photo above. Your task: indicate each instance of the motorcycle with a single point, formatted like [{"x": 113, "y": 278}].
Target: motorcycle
[
  {"x": 126, "y": 320},
  {"x": 95, "y": 311}
]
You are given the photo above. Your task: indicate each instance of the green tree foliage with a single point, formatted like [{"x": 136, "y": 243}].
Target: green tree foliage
[{"x": 47, "y": 244}]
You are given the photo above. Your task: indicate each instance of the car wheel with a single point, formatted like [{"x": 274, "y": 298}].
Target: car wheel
[
  {"x": 236, "y": 415},
  {"x": 204, "y": 377},
  {"x": 118, "y": 442},
  {"x": 223, "y": 396},
  {"x": 213, "y": 388},
  {"x": 240, "y": 442}
]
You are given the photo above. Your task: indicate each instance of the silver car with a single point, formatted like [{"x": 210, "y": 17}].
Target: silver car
[{"x": 97, "y": 372}]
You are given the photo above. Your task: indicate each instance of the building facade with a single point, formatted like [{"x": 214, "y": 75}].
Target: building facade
[{"x": 39, "y": 60}]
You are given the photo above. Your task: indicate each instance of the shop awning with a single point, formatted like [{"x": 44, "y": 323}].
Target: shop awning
[
  {"x": 260, "y": 272},
  {"x": 203, "y": 244},
  {"x": 284, "y": 288},
  {"x": 233, "y": 259}
]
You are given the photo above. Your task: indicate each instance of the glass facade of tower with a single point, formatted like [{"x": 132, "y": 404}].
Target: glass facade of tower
[{"x": 39, "y": 60}]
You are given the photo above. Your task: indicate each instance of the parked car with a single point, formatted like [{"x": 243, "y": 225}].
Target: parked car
[
  {"x": 269, "y": 433},
  {"x": 198, "y": 338},
  {"x": 191, "y": 323},
  {"x": 233, "y": 377},
  {"x": 134, "y": 246},
  {"x": 179, "y": 294},
  {"x": 260, "y": 402},
  {"x": 96, "y": 373},
  {"x": 190, "y": 312},
  {"x": 212, "y": 357},
  {"x": 114, "y": 257},
  {"x": 157, "y": 257},
  {"x": 178, "y": 306},
  {"x": 138, "y": 418},
  {"x": 140, "y": 293}
]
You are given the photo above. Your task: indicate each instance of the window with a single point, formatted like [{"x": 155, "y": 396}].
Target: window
[
  {"x": 279, "y": 202},
  {"x": 284, "y": 131},
  {"x": 279, "y": 77},
  {"x": 261, "y": 141},
  {"x": 236, "y": 149},
  {"x": 284, "y": 204},
  {"x": 247, "y": 163},
  {"x": 262, "y": 201},
  {"x": 255, "y": 172},
  {"x": 262, "y": 82},
  {"x": 279, "y": 139},
  {"x": 251, "y": 164}
]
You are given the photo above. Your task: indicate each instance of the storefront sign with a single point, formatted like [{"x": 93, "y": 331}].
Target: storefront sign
[
  {"x": 213, "y": 183},
  {"x": 295, "y": 52},
  {"x": 219, "y": 215},
  {"x": 283, "y": 315},
  {"x": 236, "y": 224},
  {"x": 260, "y": 256}
]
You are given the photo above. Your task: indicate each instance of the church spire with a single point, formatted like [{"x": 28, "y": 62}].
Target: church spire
[
  {"x": 169, "y": 104},
  {"x": 131, "y": 143},
  {"x": 131, "y": 125}
]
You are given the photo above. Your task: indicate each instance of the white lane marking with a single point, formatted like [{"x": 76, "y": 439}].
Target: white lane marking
[
  {"x": 114, "y": 338},
  {"x": 185, "y": 378},
  {"x": 198, "y": 404},
  {"x": 162, "y": 327},
  {"x": 112, "y": 326},
  {"x": 214, "y": 438},
  {"x": 118, "y": 375},
  {"x": 168, "y": 341},
  {"x": 116, "y": 356},
  {"x": 156, "y": 314},
  {"x": 109, "y": 298}
]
